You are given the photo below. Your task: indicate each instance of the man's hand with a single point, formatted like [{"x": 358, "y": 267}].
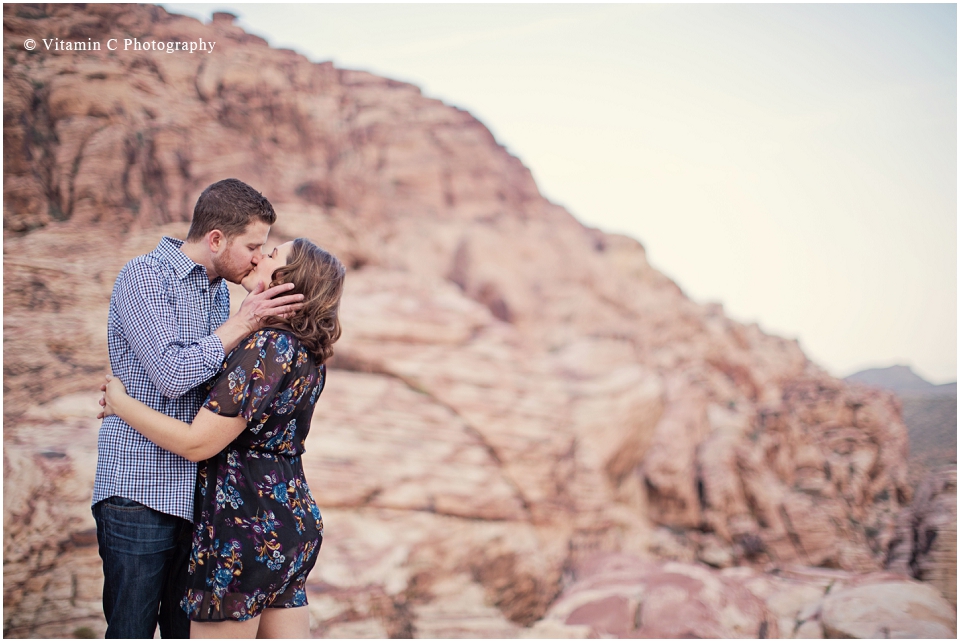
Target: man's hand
[
  {"x": 257, "y": 306},
  {"x": 261, "y": 303}
]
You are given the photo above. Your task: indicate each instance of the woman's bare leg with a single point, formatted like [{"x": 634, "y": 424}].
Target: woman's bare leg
[
  {"x": 292, "y": 623},
  {"x": 225, "y": 629}
]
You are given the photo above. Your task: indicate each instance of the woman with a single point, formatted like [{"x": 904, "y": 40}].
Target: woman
[{"x": 257, "y": 527}]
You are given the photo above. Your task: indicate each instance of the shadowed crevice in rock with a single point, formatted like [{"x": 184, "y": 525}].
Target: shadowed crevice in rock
[
  {"x": 484, "y": 292},
  {"x": 523, "y": 597},
  {"x": 476, "y": 434},
  {"x": 354, "y": 363},
  {"x": 792, "y": 534},
  {"x": 925, "y": 545},
  {"x": 40, "y": 149}
]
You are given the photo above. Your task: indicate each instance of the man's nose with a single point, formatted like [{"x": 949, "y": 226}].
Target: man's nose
[{"x": 256, "y": 257}]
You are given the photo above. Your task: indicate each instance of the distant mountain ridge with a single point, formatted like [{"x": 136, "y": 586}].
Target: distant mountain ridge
[
  {"x": 902, "y": 380},
  {"x": 929, "y": 412}
]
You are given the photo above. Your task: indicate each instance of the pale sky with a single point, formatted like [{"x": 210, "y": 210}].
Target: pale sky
[{"x": 797, "y": 163}]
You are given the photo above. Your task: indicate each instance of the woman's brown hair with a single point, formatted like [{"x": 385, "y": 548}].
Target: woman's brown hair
[{"x": 318, "y": 276}]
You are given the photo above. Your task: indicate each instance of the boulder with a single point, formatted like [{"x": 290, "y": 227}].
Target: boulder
[
  {"x": 622, "y": 596},
  {"x": 617, "y": 595},
  {"x": 891, "y": 609}
]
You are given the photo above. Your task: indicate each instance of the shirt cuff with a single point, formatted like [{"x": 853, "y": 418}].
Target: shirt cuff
[{"x": 213, "y": 354}]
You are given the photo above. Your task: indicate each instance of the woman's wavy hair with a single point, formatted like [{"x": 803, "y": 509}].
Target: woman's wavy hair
[{"x": 318, "y": 276}]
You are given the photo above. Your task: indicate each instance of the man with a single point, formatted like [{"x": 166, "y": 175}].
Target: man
[{"x": 167, "y": 334}]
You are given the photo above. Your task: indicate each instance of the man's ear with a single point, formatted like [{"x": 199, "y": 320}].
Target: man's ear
[{"x": 215, "y": 240}]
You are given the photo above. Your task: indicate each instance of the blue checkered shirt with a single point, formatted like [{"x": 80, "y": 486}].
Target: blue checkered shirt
[{"x": 163, "y": 312}]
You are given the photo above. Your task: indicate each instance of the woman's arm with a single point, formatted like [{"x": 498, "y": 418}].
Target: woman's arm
[{"x": 205, "y": 437}]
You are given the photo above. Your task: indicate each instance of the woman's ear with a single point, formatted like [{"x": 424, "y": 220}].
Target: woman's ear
[{"x": 280, "y": 277}]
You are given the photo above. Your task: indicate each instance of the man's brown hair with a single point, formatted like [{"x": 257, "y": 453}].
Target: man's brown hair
[
  {"x": 229, "y": 206},
  {"x": 318, "y": 276}
]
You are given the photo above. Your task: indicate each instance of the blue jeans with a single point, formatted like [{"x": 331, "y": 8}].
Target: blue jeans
[{"x": 144, "y": 555}]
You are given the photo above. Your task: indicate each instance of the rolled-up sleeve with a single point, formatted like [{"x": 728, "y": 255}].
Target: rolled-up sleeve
[{"x": 148, "y": 321}]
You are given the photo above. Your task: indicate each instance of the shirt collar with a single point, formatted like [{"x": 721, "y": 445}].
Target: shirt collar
[{"x": 183, "y": 265}]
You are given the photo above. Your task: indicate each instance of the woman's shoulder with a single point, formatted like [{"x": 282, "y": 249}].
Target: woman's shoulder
[
  {"x": 281, "y": 339},
  {"x": 284, "y": 343},
  {"x": 269, "y": 335},
  {"x": 273, "y": 333},
  {"x": 264, "y": 340}
]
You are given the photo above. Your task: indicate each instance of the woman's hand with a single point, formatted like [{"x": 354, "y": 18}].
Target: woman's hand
[
  {"x": 113, "y": 392},
  {"x": 205, "y": 437}
]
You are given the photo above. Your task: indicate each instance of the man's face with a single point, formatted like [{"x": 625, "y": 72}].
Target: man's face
[{"x": 239, "y": 255}]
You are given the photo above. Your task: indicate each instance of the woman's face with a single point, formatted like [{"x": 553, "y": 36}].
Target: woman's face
[{"x": 263, "y": 273}]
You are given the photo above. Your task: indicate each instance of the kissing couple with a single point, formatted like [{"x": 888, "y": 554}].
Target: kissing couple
[{"x": 205, "y": 522}]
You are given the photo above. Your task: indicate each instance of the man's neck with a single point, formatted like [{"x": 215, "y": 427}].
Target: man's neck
[{"x": 199, "y": 254}]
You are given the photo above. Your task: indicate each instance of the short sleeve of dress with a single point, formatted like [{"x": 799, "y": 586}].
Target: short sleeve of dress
[{"x": 253, "y": 374}]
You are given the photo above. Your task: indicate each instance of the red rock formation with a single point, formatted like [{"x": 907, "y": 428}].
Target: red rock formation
[
  {"x": 513, "y": 390},
  {"x": 925, "y": 546},
  {"x": 622, "y": 596}
]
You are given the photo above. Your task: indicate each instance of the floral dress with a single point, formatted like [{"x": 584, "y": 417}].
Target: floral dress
[{"x": 257, "y": 528}]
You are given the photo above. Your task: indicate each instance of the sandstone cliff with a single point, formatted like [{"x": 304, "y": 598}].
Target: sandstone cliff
[
  {"x": 925, "y": 546},
  {"x": 513, "y": 393}
]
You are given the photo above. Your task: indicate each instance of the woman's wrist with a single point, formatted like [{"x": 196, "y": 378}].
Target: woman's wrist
[{"x": 120, "y": 405}]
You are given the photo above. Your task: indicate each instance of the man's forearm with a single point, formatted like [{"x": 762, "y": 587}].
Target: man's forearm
[
  {"x": 176, "y": 369},
  {"x": 143, "y": 317}
]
